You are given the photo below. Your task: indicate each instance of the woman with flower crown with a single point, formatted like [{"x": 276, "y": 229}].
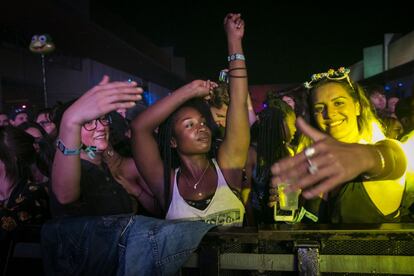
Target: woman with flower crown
[{"x": 346, "y": 159}]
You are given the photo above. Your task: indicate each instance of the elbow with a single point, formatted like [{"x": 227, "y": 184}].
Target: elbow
[
  {"x": 62, "y": 195},
  {"x": 65, "y": 198}
]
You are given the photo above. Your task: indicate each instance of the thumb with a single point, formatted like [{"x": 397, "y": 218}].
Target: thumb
[
  {"x": 105, "y": 80},
  {"x": 309, "y": 131}
]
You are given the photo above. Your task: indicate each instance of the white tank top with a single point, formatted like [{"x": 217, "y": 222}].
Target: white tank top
[{"x": 224, "y": 208}]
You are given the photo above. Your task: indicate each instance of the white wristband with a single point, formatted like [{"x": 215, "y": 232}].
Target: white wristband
[{"x": 236, "y": 57}]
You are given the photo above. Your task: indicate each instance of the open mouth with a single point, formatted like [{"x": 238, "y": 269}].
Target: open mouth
[{"x": 203, "y": 138}]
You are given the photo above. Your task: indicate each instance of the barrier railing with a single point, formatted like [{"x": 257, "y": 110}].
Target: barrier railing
[{"x": 311, "y": 249}]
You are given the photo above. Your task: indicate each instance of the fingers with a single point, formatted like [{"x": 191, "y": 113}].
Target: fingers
[
  {"x": 118, "y": 84},
  {"x": 289, "y": 163},
  {"x": 309, "y": 131},
  {"x": 213, "y": 84},
  {"x": 239, "y": 23},
  {"x": 122, "y": 95},
  {"x": 115, "y": 95},
  {"x": 234, "y": 18},
  {"x": 105, "y": 80},
  {"x": 307, "y": 180}
]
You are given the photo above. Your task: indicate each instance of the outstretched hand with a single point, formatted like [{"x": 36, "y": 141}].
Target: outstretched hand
[
  {"x": 104, "y": 98},
  {"x": 319, "y": 168},
  {"x": 234, "y": 25}
]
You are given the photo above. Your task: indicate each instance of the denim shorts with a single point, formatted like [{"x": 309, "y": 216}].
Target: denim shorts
[{"x": 119, "y": 245}]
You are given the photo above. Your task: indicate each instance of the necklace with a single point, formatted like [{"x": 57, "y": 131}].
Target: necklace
[{"x": 201, "y": 177}]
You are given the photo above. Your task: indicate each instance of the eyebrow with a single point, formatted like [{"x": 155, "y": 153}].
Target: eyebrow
[
  {"x": 334, "y": 99},
  {"x": 193, "y": 118},
  {"x": 186, "y": 118}
]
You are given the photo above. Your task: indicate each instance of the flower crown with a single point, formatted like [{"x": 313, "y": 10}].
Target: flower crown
[{"x": 340, "y": 74}]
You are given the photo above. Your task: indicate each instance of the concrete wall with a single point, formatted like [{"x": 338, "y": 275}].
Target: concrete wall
[
  {"x": 66, "y": 78},
  {"x": 402, "y": 51}
]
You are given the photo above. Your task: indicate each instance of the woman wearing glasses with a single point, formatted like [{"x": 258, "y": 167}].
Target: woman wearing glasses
[
  {"x": 82, "y": 183},
  {"x": 346, "y": 155}
]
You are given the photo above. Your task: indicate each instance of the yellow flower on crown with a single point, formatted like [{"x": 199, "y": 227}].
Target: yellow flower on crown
[{"x": 331, "y": 74}]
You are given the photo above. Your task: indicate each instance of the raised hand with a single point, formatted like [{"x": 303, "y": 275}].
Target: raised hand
[
  {"x": 234, "y": 26},
  {"x": 200, "y": 88},
  {"x": 321, "y": 167},
  {"x": 104, "y": 98}
]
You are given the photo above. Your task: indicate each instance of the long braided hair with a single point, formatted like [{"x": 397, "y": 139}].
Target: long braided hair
[
  {"x": 271, "y": 137},
  {"x": 169, "y": 155}
]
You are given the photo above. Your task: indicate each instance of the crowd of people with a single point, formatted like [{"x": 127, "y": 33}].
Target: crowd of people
[{"x": 199, "y": 157}]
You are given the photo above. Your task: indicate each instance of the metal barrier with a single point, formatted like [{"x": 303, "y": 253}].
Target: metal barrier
[{"x": 301, "y": 249}]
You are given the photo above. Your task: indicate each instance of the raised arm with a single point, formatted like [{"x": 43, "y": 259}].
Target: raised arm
[
  {"x": 101, "y": 99},
  {"x": 145, "y": 149},
  {"x": 233, "y": 150}
]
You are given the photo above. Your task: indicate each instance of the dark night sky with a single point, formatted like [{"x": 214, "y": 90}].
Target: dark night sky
[{"x": 283, "y": 42}]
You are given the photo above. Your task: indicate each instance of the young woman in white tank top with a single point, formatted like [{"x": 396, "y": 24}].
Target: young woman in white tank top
[{"x": 187, "y": 130}]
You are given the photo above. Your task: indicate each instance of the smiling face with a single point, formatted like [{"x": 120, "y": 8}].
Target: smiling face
[
  {"x": 97, "y": 137},
  {"x": 191, "y": 134},
  {"x": 336, "y": 112}
]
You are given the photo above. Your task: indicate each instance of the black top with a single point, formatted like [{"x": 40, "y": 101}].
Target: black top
[
  {"x": 353, "y": 205},
  {"x": 28, "y": 205},
  {"x": 100, "y": 195}
]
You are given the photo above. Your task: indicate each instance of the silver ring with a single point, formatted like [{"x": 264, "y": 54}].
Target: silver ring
[
  {"x": 313, "y": 168},
  {"x": 309, "y": 152}
]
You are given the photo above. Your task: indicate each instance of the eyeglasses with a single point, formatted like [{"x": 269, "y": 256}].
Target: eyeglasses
[{"x": 92, "y": 125}]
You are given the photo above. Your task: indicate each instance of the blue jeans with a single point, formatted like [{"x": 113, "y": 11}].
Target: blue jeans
[{"x": 119, "y": 245}]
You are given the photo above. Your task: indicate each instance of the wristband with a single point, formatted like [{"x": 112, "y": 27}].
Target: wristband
[
  {"x": 235, "y": 57},
  {"x": 66, "y": 151}
]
